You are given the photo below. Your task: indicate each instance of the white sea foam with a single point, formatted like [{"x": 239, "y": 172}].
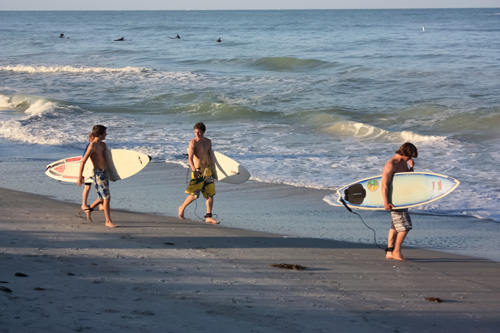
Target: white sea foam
[
  {"x": 40, "y": 107},
  {"x": 124, "y": 74},
  {"x": 15, "y": 102},
  {"x": 365, "y": 131},
  {"x": 29, "y": 105},
  {"x": 72, "y": 69},
  {"x": 14, "y": 130}
]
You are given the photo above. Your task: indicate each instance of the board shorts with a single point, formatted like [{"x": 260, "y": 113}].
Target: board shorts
[
  {"x": 101, "y": 181},
  {"x": 401, "y": 220},
  {"x": 204, "y": 184}
]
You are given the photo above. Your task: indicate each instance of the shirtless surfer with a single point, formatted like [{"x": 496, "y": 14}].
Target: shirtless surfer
[
  {"x": 401, "y": 221},
  {"x": 199, "y": 153},
  {"x": 95, "y": 152}
]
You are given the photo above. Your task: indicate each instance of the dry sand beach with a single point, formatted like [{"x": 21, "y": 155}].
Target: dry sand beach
[{"x": 161, "y": 274}]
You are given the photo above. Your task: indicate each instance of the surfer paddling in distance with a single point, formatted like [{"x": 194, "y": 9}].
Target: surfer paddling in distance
[
  {"x": 199, "y": 152},
  {"x": 95, "y": 152},
  {"x": 401, "y": 221}
]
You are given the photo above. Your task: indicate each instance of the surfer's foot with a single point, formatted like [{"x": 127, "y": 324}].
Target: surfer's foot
[
  {"x": 394, "y": 255},
  {"x": 400, "y": 258},
  {"x": 181, "y": 213},
  {"x": 110, "y": 224},
  {"x": 87, "y": 210},
  {"x": 210, "y": 220}
]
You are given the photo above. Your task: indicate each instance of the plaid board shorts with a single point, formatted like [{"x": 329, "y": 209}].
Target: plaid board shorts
[{"x": 401, "y": 220}]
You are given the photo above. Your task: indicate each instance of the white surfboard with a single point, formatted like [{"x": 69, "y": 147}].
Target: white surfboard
[
  {"x": 408, "y": 189},
  {"x": 121, "y": 164},
  {"x": 228, "y": 170}
]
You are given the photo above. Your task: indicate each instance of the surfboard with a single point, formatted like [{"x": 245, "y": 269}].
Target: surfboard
[
  {"x": 408, "y": 189},
  {"x": 228, "y": 170},
  {"x": 121, "y": 164}
]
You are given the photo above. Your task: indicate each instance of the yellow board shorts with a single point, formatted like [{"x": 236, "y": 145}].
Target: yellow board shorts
[{"x": 204, "y": 184}]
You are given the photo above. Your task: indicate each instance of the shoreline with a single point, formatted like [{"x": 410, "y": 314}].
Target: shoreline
[
  {"x": 160, "y": 273},
  {"x": 275, "y": 208}
]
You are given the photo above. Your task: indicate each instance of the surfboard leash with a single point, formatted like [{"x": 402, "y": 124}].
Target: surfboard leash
[{"x": 374, "y": 232}]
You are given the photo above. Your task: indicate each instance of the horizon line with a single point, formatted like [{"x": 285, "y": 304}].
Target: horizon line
[{"x": 242, "y": 9}]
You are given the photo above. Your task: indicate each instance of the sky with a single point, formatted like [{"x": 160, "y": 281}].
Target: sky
[{"x": 237, "y": 4}]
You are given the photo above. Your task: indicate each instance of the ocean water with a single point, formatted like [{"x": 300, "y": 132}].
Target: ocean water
[{"x": 313, "y": 99}]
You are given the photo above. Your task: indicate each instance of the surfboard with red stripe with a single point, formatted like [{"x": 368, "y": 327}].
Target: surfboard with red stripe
[{"x": 122, "y": 164}]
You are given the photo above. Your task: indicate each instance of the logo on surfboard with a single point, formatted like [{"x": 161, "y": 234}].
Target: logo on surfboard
[{"x": 373, "y": 185}]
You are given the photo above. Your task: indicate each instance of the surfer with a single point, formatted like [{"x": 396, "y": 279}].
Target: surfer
[
  {"x": 88, "y": 183},
  {"x": 401, "y": 221},
  {"x": 199, "y": 152},
  {"x": 219, "y": 40},
  {"x": 176, "y": 37},
  {"x": 120, "y": 39},
  {"x": 95, "y": 152},
  {"x": 61, "y": 35}
]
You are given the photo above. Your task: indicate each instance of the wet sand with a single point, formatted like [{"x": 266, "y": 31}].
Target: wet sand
[{"x": 161, "y": 274}]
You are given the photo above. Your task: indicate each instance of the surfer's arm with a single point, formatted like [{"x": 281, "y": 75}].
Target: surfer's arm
[
  {"x": 386, "y": 181},
  {"x": 84, "y": 159},
  {"x": 191, "y": 158}
]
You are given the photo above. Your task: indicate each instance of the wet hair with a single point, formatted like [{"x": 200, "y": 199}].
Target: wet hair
[
  {"x": 98, "y": 130},
  {"x": 201, "y": 126},
  {"x": 407, "y": 149}
]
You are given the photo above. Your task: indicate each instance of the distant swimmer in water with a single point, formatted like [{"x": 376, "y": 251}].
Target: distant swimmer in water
[
  {"x": 219, "y": 40},
  {"x": 176, "y": 37},
  {"x": 61, "y": 35},
  {"x": 120, "y": 39}
]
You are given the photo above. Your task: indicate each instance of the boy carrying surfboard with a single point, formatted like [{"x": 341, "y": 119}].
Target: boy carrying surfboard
[
  {"x": 95, "y": 152},
  {"x": 202, "y": 181},
  {"x": 401, "y": 221}
]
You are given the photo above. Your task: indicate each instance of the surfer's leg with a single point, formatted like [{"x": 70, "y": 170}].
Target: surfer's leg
[
  {"x": 189, "y": 199},
  {"x": 396, "y": 254},
  {"x": 208, "y": 217},
  {"x": 194, "y": 189},
  {"x": 85, "y": 195},
  {"x": 91, "y": 208},
  {"x": 391, "y": 240},
  {"x": 401, "y": 225},
  {"x": 107, "y": 213},
  {"x": 101, "y": 180},
  {"x": 87, "y": 212}
]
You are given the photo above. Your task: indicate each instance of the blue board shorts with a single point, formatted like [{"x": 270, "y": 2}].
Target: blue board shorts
[
  {"x": 401, "y": 220},
  {"x": 101, "y": 181}
]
